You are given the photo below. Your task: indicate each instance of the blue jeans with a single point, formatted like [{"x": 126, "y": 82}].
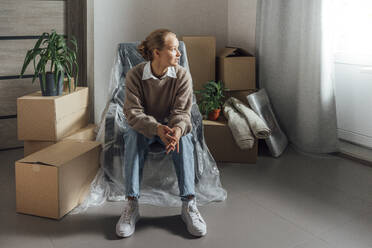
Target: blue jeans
[{"x": 136, "y": 150}]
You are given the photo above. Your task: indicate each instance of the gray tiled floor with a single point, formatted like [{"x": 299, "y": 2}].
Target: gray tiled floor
[{"x": 295, "y": 201}]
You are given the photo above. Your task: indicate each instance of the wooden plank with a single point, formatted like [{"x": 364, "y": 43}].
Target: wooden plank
[
  {"x": 29, "y": 18},
  {"x": 11, "y": 89},
  {"x": 8, "y": 134},
  {"x": 12, "y": 55}
]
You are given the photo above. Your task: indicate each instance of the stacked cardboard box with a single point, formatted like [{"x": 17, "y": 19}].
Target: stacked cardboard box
[
  {"x": 201, "y": 55},
  {"x": 236, "y": 69},
  {"x": 52, "y": 181},
  {"x": 61, "y": 156},
  {"x": 222, "y": 145},
  {"x": 50, "y": 118}
]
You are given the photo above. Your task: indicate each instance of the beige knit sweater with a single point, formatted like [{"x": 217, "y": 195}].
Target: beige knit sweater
[{"x": 151, "y": 102}]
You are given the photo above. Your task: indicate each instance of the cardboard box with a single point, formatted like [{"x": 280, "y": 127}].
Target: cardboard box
[
  {"x": 239, "y": 94},
  {"x": 30, "y": 147},
  {"x": 222, "y": 145},
  {"x": 86, "y": 133},
  {"x": 50, "y": 118},
  {"x": 236, "y": 69},
  {"x": 201, "y": 55},
  {"x": 52, "y": 181}
]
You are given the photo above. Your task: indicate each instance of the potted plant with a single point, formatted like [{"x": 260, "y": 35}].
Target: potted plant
[
  {"x": 211, "y": 99},
  {"x": 51, "y": 51}
]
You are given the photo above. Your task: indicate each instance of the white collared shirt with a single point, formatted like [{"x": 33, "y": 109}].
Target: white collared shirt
[{"x": 147, "y": 73}]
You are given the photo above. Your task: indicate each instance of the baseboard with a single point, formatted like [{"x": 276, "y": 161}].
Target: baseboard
[{"x": 355, "y": 152}]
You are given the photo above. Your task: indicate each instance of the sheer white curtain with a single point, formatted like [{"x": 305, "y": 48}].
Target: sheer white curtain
[{"x": 294, "y": 53}]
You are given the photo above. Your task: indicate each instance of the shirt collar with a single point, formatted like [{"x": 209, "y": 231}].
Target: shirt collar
[{"x": 147, "y": 73}]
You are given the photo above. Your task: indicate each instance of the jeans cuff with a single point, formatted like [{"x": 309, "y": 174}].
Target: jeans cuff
[
  {"x": 137, "y": 196},
  {"x": 185, "y": 198}
]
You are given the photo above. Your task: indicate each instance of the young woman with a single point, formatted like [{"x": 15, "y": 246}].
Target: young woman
[{"x": 158, "y": 108}]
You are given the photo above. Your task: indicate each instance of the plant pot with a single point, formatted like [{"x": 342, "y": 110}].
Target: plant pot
[
  {"x": 50, "y": 85},
  {"x": 214, "y": 114}
]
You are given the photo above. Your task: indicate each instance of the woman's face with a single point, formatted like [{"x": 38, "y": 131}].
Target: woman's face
[{"x": 169, "y": 55}]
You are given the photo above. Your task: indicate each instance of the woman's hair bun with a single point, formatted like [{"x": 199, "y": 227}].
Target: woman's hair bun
[{"x": 144, "y": 50}]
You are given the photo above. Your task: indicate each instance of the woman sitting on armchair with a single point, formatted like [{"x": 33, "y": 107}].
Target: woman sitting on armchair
[{"x": 158, "y": 100}]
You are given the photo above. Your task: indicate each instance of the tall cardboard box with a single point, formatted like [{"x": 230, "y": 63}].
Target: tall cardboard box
[
  {"x": 201, "y": 55},
  {"x": 52, "y": 181},
  {"x": 50, "y": 118},
  {"x": 222, "y": 146},
  {"x": 236, "y": 69},
  {"x": 85, "y": 133}
]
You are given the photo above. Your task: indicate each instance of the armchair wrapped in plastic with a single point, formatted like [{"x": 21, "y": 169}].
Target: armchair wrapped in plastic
[{"x": 159, "y": 183}]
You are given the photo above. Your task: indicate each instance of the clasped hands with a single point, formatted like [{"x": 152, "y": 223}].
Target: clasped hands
[{"x": 170, "y": 137}]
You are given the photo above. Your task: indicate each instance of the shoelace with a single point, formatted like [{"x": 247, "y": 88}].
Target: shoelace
[
  {"x": 195, "y": 214},
  {"x": 127, "y": 214}
]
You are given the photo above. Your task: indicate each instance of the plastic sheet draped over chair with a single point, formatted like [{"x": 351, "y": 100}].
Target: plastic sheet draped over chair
[{"x": 159, "y": 184}]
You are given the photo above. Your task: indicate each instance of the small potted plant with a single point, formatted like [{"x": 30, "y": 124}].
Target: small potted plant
[
  {"x": 51, "y": 51},
  {"x": 211, "y": 99}
]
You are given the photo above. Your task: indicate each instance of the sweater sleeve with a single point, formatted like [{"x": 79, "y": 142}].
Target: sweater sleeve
[
  {"x": 180, "y": 113},
  {"x": 133, "y": 108}
]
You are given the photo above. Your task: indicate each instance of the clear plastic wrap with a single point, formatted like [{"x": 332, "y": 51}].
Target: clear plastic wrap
[
  {"x": 277, "y": 141},
  {"x": 159, "y": 183}
]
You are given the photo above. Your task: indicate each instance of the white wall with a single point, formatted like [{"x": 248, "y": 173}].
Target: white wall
[
  {"x": 242, "y": 24},
  {"x": 117, "y": 21}
]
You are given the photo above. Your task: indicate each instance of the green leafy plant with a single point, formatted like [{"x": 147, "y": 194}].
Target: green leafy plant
[
  {"x": 53, "y": 47},
  {"x": 211, "y": 97}
]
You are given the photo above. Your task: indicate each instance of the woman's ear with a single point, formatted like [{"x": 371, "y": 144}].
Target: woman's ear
[{"x": 155, "y": 53}]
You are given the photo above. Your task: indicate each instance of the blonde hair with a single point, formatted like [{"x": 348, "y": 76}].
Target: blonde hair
[{"x": 155, "y": 40}]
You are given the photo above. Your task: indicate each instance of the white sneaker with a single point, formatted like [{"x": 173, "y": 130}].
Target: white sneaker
[
  {"x": 128, "y": 219},
  {"x": 194, "y": 221}
]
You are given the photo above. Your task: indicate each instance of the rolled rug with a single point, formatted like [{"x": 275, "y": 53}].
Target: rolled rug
[
  {"x": 257, "y": 125},
  {"x": 239, "y": 127}
]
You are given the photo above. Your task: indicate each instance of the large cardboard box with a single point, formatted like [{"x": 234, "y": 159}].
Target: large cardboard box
[
  {"x": 201, "y": 55},
  {"x": 85, "y": 133},
  {"x": 236, "y": 69},
  {"x": 52, "y": 181},
  {"x": 50, "y": 118},
  {"x": 222, "y": 145}
]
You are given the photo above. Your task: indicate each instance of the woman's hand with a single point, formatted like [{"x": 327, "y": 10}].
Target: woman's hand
[
  {"x": 176, "y": 134},
  {"x": 164, "y": 132}
]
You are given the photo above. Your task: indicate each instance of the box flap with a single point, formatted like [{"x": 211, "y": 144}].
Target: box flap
[
  {"x": 60, "y": 153},
  {"x": 227, "y": 51},
  {"x": 232, "y": 52}
]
